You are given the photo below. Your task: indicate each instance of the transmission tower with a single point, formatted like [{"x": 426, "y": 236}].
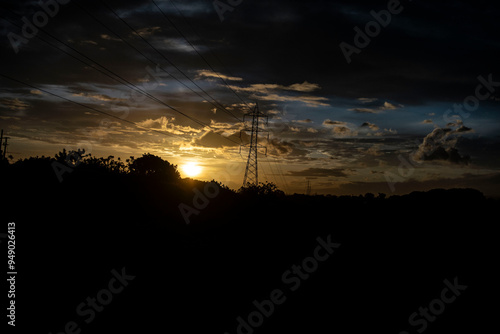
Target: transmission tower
[
  {"x": 252, "y": 169},
  {"x": 3, "y": 142}
]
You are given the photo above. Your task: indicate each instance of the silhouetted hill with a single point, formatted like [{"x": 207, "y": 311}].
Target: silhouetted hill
[{"x": 391, "y": 255}]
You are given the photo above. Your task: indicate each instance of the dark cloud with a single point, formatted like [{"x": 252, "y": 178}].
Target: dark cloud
[
  {"x": 286, "y": 149},
  {"x": 365, "y": 110},
  {"x": 215, "y": 139},
  {"x": 450, "y": 154},
  {"x": 376, "y": 107},
  {"x": 396, "y": 64},
  {"x": 14, "y": 104},
  {"x": 464, "y": 129},
  {"x": 440, "y": 145},
  {"x": 284, "y": 55},
  {"x": 330, "y": 122},
  {"x": 343, "y": 131},
  {"x": 369, "y": 125},
  {"x": 320, "y": 172}
]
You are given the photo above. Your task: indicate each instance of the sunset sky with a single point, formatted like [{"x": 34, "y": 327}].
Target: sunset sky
[{"x": 417, "y": 104}]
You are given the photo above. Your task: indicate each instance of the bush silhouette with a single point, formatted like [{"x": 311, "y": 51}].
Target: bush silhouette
[
  {"x": 263, "y": 189},
  {"x": 151, "y": 165}
]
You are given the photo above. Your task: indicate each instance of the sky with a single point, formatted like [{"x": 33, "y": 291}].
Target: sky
[{"x": 360, "y": 96}]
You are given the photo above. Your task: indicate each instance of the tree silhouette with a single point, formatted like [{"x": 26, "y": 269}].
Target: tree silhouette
[
  {"x": 263, "y": 189},
  {"x": 71, "y": 158},
  {"x": 151, "y": 165}
]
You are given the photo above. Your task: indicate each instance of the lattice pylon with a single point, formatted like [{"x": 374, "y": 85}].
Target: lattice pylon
[{"x": 252, "y": 168}]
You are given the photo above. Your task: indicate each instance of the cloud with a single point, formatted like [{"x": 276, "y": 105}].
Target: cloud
[
  {"x": 371, "y": 126},
  {"x": 109, "y": 38},
  {"x": 89, "y": 42},
  {"x": 216, "y": 139},
  {"x": 165, "y": 124},
  {"x": 280, "y": 147},
  {"x": 303, "y": 87},
  {"x": 464, "y": 129},
  {"x": 390, "y": 106},
  {"x": 5, "y": 118},
  {"x": 146, "y": 32},
  {"x": 459, "y": 125},
  {"x": 211, "y": 74},
  {"x": 227, "y": 129},
  {"x": 374, "y": 150},
  {"x": 177, "y": 44},
  {"x": 159, "y": 123},
  {"x": 386, "y": 132},
  {"x": 427, "y": 121},
  {"x": 311, "y": 101},
  {"x": 440, "y": 145},
  {"x": 367, "y": 99},
  {"x": 378, "y": 108},
  {"x": 343, "y": 131},
  {"x": 365, "y": 110},
  {"x": 98, "y": 97},
  {"x": 36, "y": 92},
  {"x": 307, "y": 120},
  {"x": 14, "y": 104},
  {"x": 319, "y": 172},
  {"x": 330, "y": 122},
  {"x": 339, "y": 129},
  {"x": 275, "y": 93}
]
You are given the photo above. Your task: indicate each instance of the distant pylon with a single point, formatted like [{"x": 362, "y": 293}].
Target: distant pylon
[
  {"x": 252, "y": 169},
  {"x": 3, "y": 142},
  {"x": 308, "y": 190}
]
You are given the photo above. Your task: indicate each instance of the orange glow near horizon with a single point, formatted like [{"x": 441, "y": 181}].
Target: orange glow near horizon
[{"x": 191, "y": 169}]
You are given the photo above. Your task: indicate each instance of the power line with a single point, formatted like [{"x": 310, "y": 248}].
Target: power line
[
  {"x": 271, "y": 169},
  {"x": 280, "y": 172},
  {"x": 193, "y": 29},
  {"x": 120, "y": 79},
  {"x": 149, "y": 59},
  {"x": 164, "y": 57},
  {"x": 197, "y": 52},
  {"x": 86, "y": 106}
]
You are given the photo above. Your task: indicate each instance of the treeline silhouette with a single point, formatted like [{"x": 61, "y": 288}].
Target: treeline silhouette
[{"x": 395, "y": 251}]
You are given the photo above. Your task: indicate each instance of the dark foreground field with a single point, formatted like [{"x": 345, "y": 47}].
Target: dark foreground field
[{"x": 110, "y": 252}]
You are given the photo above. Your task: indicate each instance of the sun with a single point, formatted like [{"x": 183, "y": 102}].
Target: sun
[{"x": 191, "y": 169}]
